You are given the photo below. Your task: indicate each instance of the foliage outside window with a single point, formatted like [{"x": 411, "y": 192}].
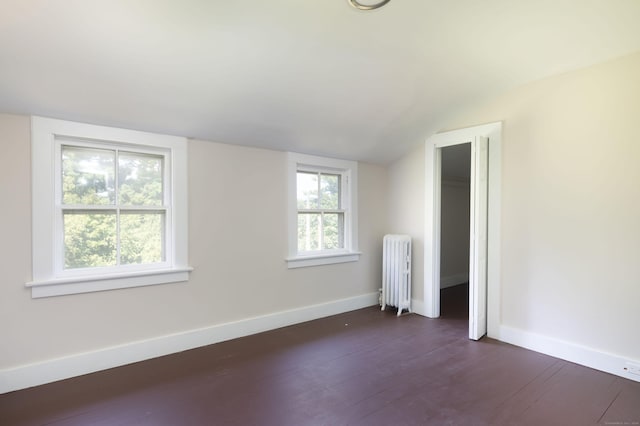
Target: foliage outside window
[
  {"x": 112, "y": 207},
  {"x": 323, "y": 211},
  {"x": 320, "y": 213}
]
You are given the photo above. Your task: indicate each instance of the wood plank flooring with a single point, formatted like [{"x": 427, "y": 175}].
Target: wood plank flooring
[{"x": 360, "y": 368}]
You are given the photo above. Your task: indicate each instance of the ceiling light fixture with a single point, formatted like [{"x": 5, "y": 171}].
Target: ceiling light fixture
[{"x": 360, "y": 6}]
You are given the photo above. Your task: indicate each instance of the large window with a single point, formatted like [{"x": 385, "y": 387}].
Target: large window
[
  {"x": 323, "y": 209},
  {"x": 109, "y": 208}
]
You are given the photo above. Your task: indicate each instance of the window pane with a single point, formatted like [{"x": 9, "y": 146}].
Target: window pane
[
  {"x": 333, "y": 226},
  {"x": 89, "y": 239},
  {"x": 308, "y": 232},
  {"x": 307, "y": 189},
  {"x": 141, "y": 238},
  {"x": 88, "y": 176},
  {"x": 330, "y": 192},
  {"x": 140, "y": 179}
]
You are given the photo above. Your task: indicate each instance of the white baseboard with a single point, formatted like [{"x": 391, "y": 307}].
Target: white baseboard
[
  {"x": 568, "y": 351},
  {"x": 83, "y": 363},
  {"x": 453, "y": 280}
]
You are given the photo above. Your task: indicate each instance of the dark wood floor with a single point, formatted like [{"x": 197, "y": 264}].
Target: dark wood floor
[{"x": 360, "y": 368}]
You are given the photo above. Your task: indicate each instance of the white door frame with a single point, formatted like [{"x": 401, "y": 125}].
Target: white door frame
[{"x": 492, "y": 131}]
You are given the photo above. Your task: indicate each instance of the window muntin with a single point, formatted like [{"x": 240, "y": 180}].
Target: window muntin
[{"x": 113, "y": 206}]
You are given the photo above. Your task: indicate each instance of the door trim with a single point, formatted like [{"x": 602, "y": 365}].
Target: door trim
[
  {"x": 478, "y": 213},
  {"x": 431, "y": 298}
]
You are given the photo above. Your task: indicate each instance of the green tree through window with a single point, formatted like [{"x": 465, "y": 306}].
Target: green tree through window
[
  {"x": 112, "y": 207},
  {"x": 320, "y": 214}
]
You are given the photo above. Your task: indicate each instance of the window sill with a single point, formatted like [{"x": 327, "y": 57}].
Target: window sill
[
  {"x": 88, "y": 284},
  {"x": 322, "y": 259}
]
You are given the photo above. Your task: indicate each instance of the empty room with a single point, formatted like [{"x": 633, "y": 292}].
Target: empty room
[{"x": 336, "y": 212}]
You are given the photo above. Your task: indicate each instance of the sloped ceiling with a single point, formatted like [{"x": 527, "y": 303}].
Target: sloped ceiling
[{"x": 312, "y": 76}]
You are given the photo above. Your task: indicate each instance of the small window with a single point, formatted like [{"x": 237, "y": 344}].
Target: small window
[
  {"x": 109, "y": 208},
  {"x": 322, "y": 210}
]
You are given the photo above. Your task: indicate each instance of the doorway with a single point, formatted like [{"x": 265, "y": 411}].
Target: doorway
[
  {"x": 484, "y": 227},
  {"x": 455, "y": 196}
]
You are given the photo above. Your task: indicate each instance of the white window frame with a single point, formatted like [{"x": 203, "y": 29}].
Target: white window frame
[
  {"x": 49, "y": 276},
  {"x": 348, "y": 170}
]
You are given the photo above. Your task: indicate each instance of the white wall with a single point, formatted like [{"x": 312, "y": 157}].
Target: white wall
[
  {"x": 454, "y": 236},
  {"x": 237, "y": 245},
  {"x": 570, "y": 209},
  {"x": 406, "y": 213}
]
